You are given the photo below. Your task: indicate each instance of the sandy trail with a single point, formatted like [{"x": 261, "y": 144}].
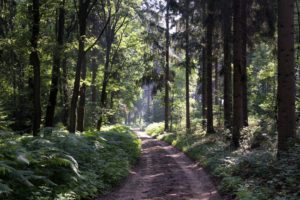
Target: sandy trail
[{"x": 164, "y": 173}]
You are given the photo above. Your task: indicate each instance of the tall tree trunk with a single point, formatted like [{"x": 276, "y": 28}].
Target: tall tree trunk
[
  {"x": 148, "y": 112},
  {"x": 2, "y": 20},
  {"x": 171, "y": 115},
  {"x": 227, "y": 24},
  {"x": 167, "y": 69},
  {"x": 204, "y": 86},
  {"x": 103, "y": 98},
  {"x": 64, "y": 93},
  {"x": 216, "y": 82},
  {"x": 20, "y": 114},
  {"x": 238, "y": 83},
  {"x": 244, "y": 61},
  {"x": 187, "y": 66},
  {"x": 35, "y": 62},
  {"x": 298, "y": 65},
  {"x": 94, "y": 76},
  {"x": 82, "y": 15},
  {"x": 111, "y": 118},
  {"x": 209, "y": 35},
  {"x": 94, "y": 69},
  {"x": 81, "y": 104},
  {"x": 56, "y": 67},
  {"x": 129, "y": 118},
  {"x": 286, "y": 74}
]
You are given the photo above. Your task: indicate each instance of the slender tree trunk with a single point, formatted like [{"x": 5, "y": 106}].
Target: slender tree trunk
[
  {"x": 94, "y": 69},
  {"x": 298, "y": 19},
  {"x": 56, "y": 67},
  {"x": 81, "y": 104},
  {"x": 148, "y": 93},
  {"x": 125, "y": 117},
  {"x": 216, "y": 82},
  {"x": 20, "y": 114},
  {"x": 171, "y": 115},
  {"x": 187, "y": 65},
  {"x": 209, "y": 35},
  {"x": 217, "y": 100},
  {"x": 227, "y": 24},
  {"x": 167, "y": 106},
  {"x": 244, "y": 61},
  {"x": 111, "y": 106},
  {"x": 238, "y": 83},
  {"x": 286, "y": 74},
  {"x": 80, "y": 61},
  {"x": 2, "y": 21},
  {"x": 35, "y": 62},
  {"x": 65, "y": 93},
  {"x": 297, "y": 55},
  {"x": 129, "y": 118},
  {"x": 204, "y": 86},
  {"x": 103, "y": 98},
  {"x": 94, "y": 76}
]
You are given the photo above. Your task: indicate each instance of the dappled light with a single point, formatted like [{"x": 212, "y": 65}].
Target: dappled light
[{"x": 149, "y": 99}]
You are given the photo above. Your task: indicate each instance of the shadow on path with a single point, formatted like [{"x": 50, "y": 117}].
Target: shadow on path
[{"x": 164, "y": 173}]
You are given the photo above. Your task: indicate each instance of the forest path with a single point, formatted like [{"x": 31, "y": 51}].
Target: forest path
[{"x": 164, "y": 173}]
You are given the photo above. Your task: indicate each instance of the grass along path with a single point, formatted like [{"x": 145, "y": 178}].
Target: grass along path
[{"x": 164, "y": 173}]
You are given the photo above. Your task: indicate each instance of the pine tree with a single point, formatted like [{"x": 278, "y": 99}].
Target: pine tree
[{"x": 286, "y": 74}]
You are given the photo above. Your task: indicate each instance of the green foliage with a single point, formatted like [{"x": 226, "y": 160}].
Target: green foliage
[
  {"x": 262, "y": 79},
  {"x": 250, "y": 173},
  {"x": 64, "y": 166},
  {"x": 168, "y": 137},
  {"x": 155, "y": 129}
]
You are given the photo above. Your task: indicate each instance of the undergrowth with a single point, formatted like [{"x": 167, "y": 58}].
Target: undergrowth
[
  {"x": 65, "y": 166},
  {"x": 155, "y": 129},
  {"x": 251, "y": 173}
]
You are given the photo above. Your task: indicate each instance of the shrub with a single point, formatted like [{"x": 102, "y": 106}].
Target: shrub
[
  {"x": 155, "y": 129},
  {"x": 65, "y": 166},
  {"x": 248, "y": 173}
]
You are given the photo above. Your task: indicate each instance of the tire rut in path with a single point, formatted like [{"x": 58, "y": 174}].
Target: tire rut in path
[{"x": 164, "y": 173}]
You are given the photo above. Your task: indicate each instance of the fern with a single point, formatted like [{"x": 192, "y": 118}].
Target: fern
[
  {"x": 60, "y": 166},
  {"x": 4, "y": 188},
  {"x": 5, "y": 168}
]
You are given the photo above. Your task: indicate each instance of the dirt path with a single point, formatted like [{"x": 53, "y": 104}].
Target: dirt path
[{"x": 164, "y": 173}]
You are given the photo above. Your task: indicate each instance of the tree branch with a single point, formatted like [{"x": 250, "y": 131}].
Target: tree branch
[{"x": 99, "y": 36}]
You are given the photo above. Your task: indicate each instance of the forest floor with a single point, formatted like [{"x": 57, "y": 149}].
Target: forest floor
[{"x": 164, "y": 173}]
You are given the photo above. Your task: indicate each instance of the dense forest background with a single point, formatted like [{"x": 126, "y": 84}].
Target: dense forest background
[{"x": 227, "y": 69}]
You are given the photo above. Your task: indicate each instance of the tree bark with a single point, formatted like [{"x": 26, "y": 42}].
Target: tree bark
[
  {"x": 216, "y": 82},
  {"x": 81, "y": 104},
  {"x": 103, "y": 98},
  {"x": 148, "y": 96},
  {"x": 227, "y": 24},
  {"x": 209, "y": 35},
  {"x": 56, "y": 67},
  {"x": 35, "y": 63},
  {"x": 237, "y": 85},
  {"x": 244, "y": 62},
  {"x": 129, "y": 118},
  {"x": 111, "y": 118},
  {"x": 167, "y": 69},
  {"x": 171, "y": 115},
  {"x": 82, "y": 16},
  {"x": 64, "y": 93},
  {"x": 286, "y": 95},
  {"x": 187, "y": 66},
  {"x": 204, "y": 86},
  {"x": 94, "y": 76}
]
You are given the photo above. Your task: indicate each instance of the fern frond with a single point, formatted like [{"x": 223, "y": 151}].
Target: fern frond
[{"x": 4, "y": 188}]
